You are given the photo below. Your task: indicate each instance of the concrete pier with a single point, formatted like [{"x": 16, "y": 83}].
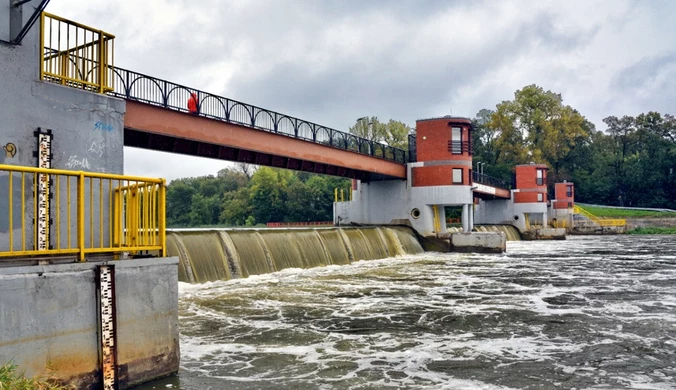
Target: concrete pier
[
  {"x": 492, "y": 242},
  {"x": 49, "y": 322}
]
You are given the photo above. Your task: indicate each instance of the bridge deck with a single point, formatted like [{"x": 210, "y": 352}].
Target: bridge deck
[
  {"x": 151, "y": 127},
  {"x": 158, "y": 117}
]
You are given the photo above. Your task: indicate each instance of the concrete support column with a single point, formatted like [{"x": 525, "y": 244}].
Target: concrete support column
[
  {"x": 465, "y": 219},
  {"x": 545, "y": 225},
  {"x": 470, "y": 212}
]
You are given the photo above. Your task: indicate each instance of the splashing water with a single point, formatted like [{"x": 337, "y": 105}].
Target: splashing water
[{"x": 586, "y": 313}]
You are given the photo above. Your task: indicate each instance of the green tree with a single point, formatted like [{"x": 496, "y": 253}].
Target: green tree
[
  {"x": 267, "y": 197},
  {"x": 536, "y": 126},
  {"x": 179, "y": 196},
  {"x": 369, "y": 128},
  {"x": 396, "y": 134},
  {"x": 235, "y": 207}
]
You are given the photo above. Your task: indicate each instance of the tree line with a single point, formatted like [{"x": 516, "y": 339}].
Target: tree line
[
  {"x": 245, "y": 196},
  {"x": 632, "y": 163}
]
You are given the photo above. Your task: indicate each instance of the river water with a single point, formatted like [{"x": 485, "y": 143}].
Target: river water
[{"x": 585, "y": 313}]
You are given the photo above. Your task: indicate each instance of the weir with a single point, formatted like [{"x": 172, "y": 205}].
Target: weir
[{"x": 223, "y": 254}]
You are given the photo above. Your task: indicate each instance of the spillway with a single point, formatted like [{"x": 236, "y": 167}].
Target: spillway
[{"x": 223, "y": 254}]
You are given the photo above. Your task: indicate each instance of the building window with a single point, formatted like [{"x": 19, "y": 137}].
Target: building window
[
  {"x": 456, "y": 140},
  {"x": 569, "y": 191},
  {"x": 457, "y": 175},
  {"x": 540, "y": 177},
  {"x": 541, "y": 197}
]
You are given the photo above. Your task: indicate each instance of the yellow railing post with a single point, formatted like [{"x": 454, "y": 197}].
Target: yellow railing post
[
  {"x": 101, "y": 62},
  {"x": 162, "y": 216},
  {"x": 81, "y": 215},
  {"x": 335, "y": 194},
  {"x": 437, "y": 220},
  {"x": 42, "y": 46}
]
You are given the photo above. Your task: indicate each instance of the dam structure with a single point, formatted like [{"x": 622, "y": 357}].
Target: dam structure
[
  {"x": 440, "y": 174},
  {"x": 88, "y": 271}
]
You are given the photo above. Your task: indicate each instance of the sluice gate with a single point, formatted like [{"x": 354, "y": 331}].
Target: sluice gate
[{"x": 209, "y": 255}]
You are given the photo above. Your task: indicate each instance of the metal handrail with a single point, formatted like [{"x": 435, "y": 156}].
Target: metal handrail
[
  {"x": 75, "y": 55},
  {"x": 102, "y": 213},
  {"x": 460, "y": 147},
  {"x": 488, "y": 180},
  {"x": 598, "y": 220},
  {"x": 136, "y": 86}
]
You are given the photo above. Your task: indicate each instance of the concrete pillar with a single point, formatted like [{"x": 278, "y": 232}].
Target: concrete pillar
[
  {"x": 544, "y": 221},
  {"x": 465, "y": 218},
  {"x": 470, "y": 212}
]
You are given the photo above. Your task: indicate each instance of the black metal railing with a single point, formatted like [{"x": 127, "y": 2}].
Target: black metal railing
[
  {"x": 412, "y": 141},
  {"x": 146, "y": 89},
  {"x": 488, "y": 180},
  {"x": 460, "y": 147}
]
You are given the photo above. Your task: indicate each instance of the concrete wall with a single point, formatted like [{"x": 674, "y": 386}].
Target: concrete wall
[
  {"x": 393, "y": 201},
  {"x": 4, "y": 20},
  {"x": 87, "y": 128},
  {"x": 48, "y": 320},
  {"x": 504, "y": 211}
]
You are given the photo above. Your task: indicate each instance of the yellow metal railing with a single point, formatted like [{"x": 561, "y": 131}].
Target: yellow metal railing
[
  {"x": 76, "y": 55},
  {"x": 597, "y": 220},
  {"x": 341, "y": 191},
  {"x": 436, "y": 219},
  {"x": 86, "y": 213}
]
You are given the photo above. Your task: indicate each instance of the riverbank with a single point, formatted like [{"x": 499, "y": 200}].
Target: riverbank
[
  {"x": 10, "y": 379},
  {"x": 653, "y": 230}
]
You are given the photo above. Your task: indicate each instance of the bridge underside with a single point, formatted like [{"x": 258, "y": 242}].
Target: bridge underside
[{"x": 156, "y": 128}]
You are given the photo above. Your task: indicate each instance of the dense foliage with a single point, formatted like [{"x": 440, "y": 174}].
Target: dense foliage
[
  {"x": 240, "y": 197},
  {"x": 632, "y": 164}
]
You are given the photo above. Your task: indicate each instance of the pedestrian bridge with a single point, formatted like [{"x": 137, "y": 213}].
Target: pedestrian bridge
[{"x": 169, "y": 117}]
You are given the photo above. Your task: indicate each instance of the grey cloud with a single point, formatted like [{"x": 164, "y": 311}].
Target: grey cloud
[{"x": 644, "y": 71}]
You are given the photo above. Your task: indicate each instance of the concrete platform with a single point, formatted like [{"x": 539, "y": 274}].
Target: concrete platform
[
  {"x": 489, "y": 242},
  {"x": 49, "y": 321},
  {"x": 544, "y": 234}
]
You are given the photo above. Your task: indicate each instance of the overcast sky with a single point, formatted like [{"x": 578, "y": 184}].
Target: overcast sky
[{"x": 331, "y": 62}]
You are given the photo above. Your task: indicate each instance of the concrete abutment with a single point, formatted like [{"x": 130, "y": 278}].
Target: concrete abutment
[{"x": 49, "y": 323}]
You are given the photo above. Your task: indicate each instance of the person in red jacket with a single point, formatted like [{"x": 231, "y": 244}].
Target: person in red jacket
[{"x": 192, "y": 103}]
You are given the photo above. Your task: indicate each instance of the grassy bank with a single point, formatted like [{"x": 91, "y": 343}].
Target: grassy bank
[
  {"x": 653, "y": 230},
  {"x": 11, "y": 380},
  {"x": 604, "y": 212}
]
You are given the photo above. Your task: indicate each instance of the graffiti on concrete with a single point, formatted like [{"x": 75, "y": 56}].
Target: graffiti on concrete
[
  {"x": 96, "y": 148},
  {"x": 76, "y": 162},
  {"x": 10, "y": 150},
  {"x": 103, "y": 127}
]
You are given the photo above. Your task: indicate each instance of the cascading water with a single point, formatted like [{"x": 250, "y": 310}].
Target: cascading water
[
  {"x": 209, "y": 255},
  {"x": 510, "y": 231}
]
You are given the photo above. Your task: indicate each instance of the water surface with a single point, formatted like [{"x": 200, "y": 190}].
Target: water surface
[{"x": 585, "y": 313}]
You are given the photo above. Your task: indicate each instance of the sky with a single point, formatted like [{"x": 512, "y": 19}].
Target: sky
[{"x": 333, "y": 61}]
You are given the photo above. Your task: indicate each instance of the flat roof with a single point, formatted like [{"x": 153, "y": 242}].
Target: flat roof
[{"x": 449, "y": 118}]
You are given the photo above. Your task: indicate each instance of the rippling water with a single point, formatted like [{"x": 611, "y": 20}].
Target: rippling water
[{"x": 586, "y": 313}]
